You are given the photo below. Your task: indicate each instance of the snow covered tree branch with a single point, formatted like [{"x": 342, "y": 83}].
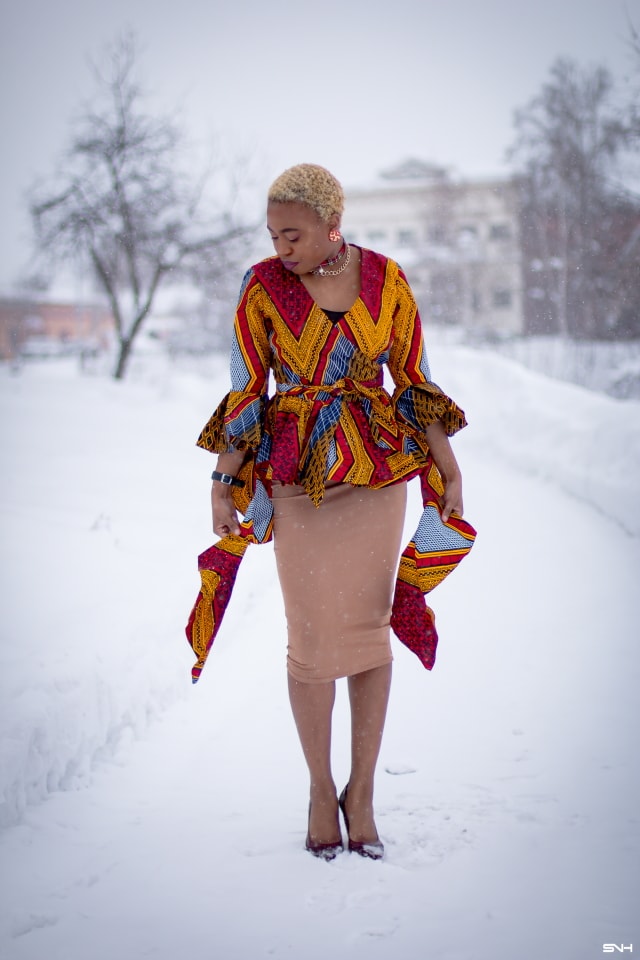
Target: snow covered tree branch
[
  {"x": 578, "y": 222},
  {"x": 124, "y": 205}
]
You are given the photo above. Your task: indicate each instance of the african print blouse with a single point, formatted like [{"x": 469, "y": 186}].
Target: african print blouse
[{"x": 330, "y": 419}]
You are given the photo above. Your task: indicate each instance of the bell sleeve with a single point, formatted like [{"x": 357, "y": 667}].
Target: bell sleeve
[
  {"x": 237, "y": 422},
  {"x": 417, "y": 400}
]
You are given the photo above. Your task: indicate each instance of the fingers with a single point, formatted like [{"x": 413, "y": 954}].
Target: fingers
[
  {"x": 449, "y": 506},
  {"x": 225, "y": 520},
  {"x": 223, "y": 530}
]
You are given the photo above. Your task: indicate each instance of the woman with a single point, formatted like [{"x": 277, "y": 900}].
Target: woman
[{"x": 322, "y": 466}]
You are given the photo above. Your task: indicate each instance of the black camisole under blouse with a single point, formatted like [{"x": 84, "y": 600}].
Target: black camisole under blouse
[{"x": 334, "y": 315}]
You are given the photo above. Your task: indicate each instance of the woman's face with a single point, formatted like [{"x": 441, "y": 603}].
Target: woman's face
[{"x": 300, "y": 237}]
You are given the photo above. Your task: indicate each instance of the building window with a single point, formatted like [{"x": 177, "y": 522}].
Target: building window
[
  {"x": 502, "y": 298},
  {"x": 500, "y": 231},
  {"x": 406, "y": 238},
  {"x": 467, "y": 235},
  {"x": 445, "y": 297},
  {"x": 34, "y": 323},
  {"x": 437, "y": 234}
]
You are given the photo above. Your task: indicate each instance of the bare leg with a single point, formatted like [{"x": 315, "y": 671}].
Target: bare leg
[
  {"x": 368, "y": 696},
  {"x": 312, "y": 705}
]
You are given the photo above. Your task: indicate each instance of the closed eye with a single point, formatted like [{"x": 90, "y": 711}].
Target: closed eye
[{"x": 289, "y": 238}]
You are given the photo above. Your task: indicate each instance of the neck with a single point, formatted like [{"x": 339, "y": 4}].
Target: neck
[{"x": 332, "y": 260}]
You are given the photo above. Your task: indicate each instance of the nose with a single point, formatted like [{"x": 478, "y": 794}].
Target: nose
[{"x": 283, "y": 247}]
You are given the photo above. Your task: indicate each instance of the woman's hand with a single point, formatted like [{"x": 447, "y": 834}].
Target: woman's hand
[
  {"x": 440, "y": 449},
  {"x": 225, "y": 518},
  {"x": 451, "y": 499}
]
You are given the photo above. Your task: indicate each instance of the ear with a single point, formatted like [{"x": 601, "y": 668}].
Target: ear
[{"x": 334, "y": 221}]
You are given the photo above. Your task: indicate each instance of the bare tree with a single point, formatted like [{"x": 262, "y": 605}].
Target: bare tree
[
  {"x": 634, "y": 109},
  {"x": 634, "y": 40},
  {"x": 577, "y": 222},
  {"x": 124, "y": 205}
]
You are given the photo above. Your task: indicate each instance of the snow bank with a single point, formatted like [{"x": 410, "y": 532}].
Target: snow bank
[
  {"x": 611, "y": 367},
  {"x": 586, "y": 443},
  {"x": 104, "y": 510}
]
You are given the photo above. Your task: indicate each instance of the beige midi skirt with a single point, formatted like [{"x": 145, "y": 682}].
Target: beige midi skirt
[{"x": 337, "y": 566}]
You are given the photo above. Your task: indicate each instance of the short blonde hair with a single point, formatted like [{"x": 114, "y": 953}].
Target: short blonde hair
[{"x": 311, "y": 185}]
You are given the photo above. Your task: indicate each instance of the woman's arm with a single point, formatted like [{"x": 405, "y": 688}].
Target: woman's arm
[
  {"x": 409, "y": 367},
  {"x": 225, "y": 518},
  {"x": 237, "y": 422}
]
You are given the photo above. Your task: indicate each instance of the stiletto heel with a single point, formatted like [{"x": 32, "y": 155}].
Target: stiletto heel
[
  {"x": 374, "y": 850},
  {"x": 325, "y": 851}
]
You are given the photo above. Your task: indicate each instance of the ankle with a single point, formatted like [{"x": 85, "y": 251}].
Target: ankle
[
  {"x": 322, "y": 790},
  {"x": 359, "y": 793}
]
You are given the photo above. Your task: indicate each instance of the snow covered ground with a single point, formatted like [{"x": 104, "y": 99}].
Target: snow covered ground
[{"x": 144, "y": 818}]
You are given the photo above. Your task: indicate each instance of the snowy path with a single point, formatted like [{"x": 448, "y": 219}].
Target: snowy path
[{"x": 507, "y": 792}]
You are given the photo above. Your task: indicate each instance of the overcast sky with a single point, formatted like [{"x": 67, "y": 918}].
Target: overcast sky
[{"x": 356, "y": 85}]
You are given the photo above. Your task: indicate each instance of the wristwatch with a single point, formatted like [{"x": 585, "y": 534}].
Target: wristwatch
[{"x": 227, "y": 479}]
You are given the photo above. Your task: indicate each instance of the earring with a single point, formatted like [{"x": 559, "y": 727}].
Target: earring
[{"x": 334, "y": 234}]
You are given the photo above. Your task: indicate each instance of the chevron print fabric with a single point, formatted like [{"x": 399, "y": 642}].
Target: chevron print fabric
[{"x": 330, "y": 419}]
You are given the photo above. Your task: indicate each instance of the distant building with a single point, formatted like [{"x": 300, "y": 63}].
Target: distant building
[
  {"x": 27, "y": 326},
  {"x": 457, "y": 241}
]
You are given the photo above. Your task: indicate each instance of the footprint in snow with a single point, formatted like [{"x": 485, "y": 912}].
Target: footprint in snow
[
  {"x": 377, "y": 931},
  {"x": 399, "y": 769},
  {"x": 21, "y": 927}
]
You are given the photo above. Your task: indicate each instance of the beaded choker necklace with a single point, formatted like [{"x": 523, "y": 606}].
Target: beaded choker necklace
[{"x": 344, "y": 252}]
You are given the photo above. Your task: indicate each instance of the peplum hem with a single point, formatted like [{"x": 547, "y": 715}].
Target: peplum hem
[
  {"x": 332, "y": 433},
  {"x": 350, "y": 431}
]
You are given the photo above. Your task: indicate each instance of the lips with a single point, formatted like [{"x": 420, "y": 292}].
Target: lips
[{"x": 289, "y": 264}]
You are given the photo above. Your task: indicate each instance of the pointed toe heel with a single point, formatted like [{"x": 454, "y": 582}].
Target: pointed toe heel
[
  {"x": 372, "y": 850},
  {"x": 324, "y": 851}
]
